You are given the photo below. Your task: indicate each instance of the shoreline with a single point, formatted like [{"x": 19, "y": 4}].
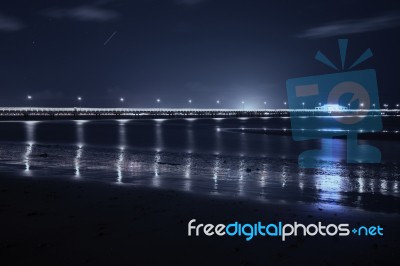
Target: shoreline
[{"x": 64, "y": 222}]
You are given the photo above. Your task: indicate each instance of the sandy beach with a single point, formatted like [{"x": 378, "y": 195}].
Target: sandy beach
[{"x": 50, "y": 221}]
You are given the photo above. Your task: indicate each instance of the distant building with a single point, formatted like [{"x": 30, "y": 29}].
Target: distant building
[{"x": 331, "y": 108}]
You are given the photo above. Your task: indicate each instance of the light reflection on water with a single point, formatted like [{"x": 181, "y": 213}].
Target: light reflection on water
[
  {"x": 159, "y": 140},
  {"x": 27, "y": 155},
  {"x": 188, "y": 168},
  {"x": 80, "y": 144},
  {"x": 30, "y": 137},
  {"x": 120, "y": 166},
  {"x": 77, "y": 160},
  {"x": 156, "y": 178},
  {"x": 217, "y": 166},
  {"x": 30, "y": 130},
  {"x": 234, "y": 164},
  {"x": 242, "y": 167}
]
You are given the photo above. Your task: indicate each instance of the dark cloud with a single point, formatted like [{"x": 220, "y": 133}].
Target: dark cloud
[
  {"x": 346, "y": 27},
  {"x": 10, "y": 24},
  {"x": 83, "y": 13}
]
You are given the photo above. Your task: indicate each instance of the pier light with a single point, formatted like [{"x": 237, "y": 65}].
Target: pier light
[
  {"x": 218, "y": 101},
  {"x": 303, "y": 103},
  {"x": 122, "y": 99},
  {"x": 397, "y": 105},
  {"x": 158, "y": 100},
  {"x": 80, "y": 101},
  {"x": 29, "y": 97},
  {"x": 361, "y": 104},
  {"x": 190, "y": 101}
]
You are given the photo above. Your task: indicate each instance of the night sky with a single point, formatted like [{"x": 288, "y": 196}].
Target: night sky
[{"x": 176, "y": 50}]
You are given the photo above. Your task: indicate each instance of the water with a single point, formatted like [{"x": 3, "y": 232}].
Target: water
[{"x": 209, "y": 156}]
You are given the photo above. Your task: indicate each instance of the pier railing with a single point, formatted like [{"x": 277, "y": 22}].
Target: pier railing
[{"x": 80, "y": 112}]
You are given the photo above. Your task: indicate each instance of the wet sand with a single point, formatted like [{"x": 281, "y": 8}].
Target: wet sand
[{"x": 54, "y": 221}]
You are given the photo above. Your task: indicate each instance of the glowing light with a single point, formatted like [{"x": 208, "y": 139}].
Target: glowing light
[{"x": 332, "y": 108}]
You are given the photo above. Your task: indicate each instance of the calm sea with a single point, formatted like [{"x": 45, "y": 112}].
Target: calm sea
[{"x": 229, "y": 157}]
